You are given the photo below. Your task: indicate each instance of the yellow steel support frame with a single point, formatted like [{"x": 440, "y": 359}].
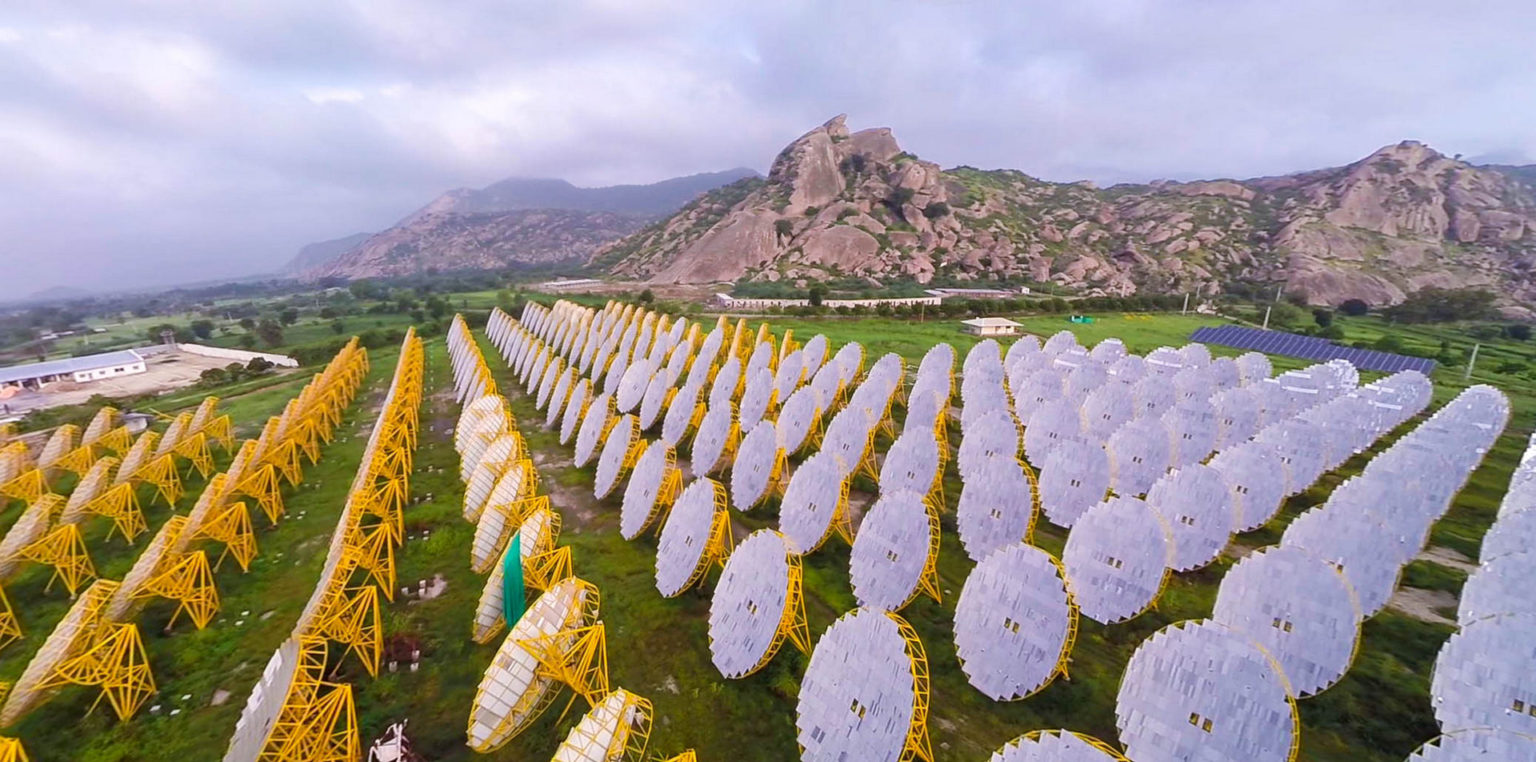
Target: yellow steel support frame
[
  {"x": 318, "y": 720},
  {"x": 353, "y": 621},
  {"x": 26, "y": 487},
  {"x": 160, "y": 471},
  {"x": 576, "y": 657},
  {"x": 687, "y": 756},
  {"x": 232, "y": 527},
  {"x": 64, "y": 549},
  {"x": 121, "y": 504},
  {"x": 189, "y": 581},
  {"x": 117, "y": 440},
  {"x": 916, "y": 747},
  {"x": 11, "y": 751},
  {"x": 77, "y": 461},
  {"x": 10, "y": 627},
  {"x": 265, "y": 487},
  {"x": 117, "y": 664},
  {"x": 194, "y": 448}
]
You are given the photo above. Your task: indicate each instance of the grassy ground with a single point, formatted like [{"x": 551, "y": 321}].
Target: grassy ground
[{"x": 190, "y": 666}]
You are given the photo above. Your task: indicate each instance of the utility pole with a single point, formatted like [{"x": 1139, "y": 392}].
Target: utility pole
[
  {"x": 1266, "y": 317},
  {"x": 1185, "y": 310},
  {"x": 1471, "y": 361},
  {"x": 1277, "y": 294}
]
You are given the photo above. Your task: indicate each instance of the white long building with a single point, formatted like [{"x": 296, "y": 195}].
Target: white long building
[{"x": 124, "y": 362}]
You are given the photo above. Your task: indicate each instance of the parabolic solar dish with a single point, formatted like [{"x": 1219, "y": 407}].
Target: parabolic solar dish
[
  {"x": 1084, "y": 380},
  {"x": 827, "y": 383},
  {"x": 1238, "y": 415},
  {"x": 1499, "y": 588},
  {"x": 758, "y": 467},
  {"x": 677, "y": 360},
  {"x": 1056, "y": 746},
  {"x": 997, "y": 506},
  {"x": 1037, "y": 390},
  {"x": 1154, "y": 396},
  {"x": 985, "y": 351},
  {"x": 1195, "y": 502},
  {"x": 937, "y": 363},
  {"x": 1049, "y": 427},
  {"x": 726, "y": 383},
  {"x": 535, "y": 536},
  {"x": 1019, "y": 372},
  {"x": 986, "y": 438},
  {"x": 1297, "y": 444},
  {"x": 863, "y": 692},
  {"x": 1014, "y": 623},
  {"x": 1255, "y": 475},
  {"x": 815, "y": 501},
  {"x": 632, "y": 385},
  {"x": 1195, "y": 355},
  {"x": 1198, "y": 690},
  {"x": 757, "y": 398},
  {"x": 1193, "y": 428},
  {"x": 1299, "y": 608},
  {"x": 1074, "y": 478},
  {"x": 679, "y": 417},
  {"x": 681, "y": 557},
  {"x": 814, "y": 353},
  {"x": 1128, "y": 370},
  {"x": 1117, "y": 559},
  {"x": 575, "y": 407},
  {"x": 895, "y": 551},
  {"x": 761, "y": 359},
  {"x": 926, "y": 408},
  {"x": 1253, "y": 367},
  {"x": 1060, "y": 342},
  {"x": 1363, "y": 550},
  {"x": 982, "y": 400},
  {"x": 547, "y": 383},
  {"x": 617, "y": 367},
  {"x": 1481, "y": 745},
  {"x": 756, "y": 603},
  {"x": 1108, "y": 351},
  {"x": 642, "y": 495},
  {"x": 1482, "y": 677},
  {"x": 717, "y": 432},
  {"x": 1105, "y": 410},
  {"x": 614, "y": 459},
  {"x": 654, "y": 403},
  {"x": 1165, "y": 361},
  {"x": 849, "y": 361},
  {"x": 1512, "y": 533},
  {"x": 848, "y": 437},
  {"x": 614, "y": 728},
  {"x": 1020, "y": 348},
  {"x": 1140, "y": 452},
  {"x": 593, "y": 426},
  {"x": 799, "y": 416},
  {"x": 559, "y": 396},
  {"x": 789, "y": 375},
  {"x": 912, "y": 463}
]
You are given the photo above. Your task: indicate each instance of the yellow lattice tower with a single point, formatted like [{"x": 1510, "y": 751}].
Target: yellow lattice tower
[
  {"x": 284, "y": 456},
  {"x": 204, "y": 413},
  {"x": 222, "y": 430},
  {"x": 1034, "y": 491},
  {"x": 263, "y": 484},
  {"x": 10, "y": 628},
  {"x": 64, "y": 550},
  {"x": 542, "y": 571},
  {"x": 350, "y": 617},
  {"x": 617, "y": 730},
  {"x": 27, "y": 487},
  {"x": 376, "y": 555},
  {"x": 916, "y": 746},
  {"x": 194, "y": 448},
  {"x": 120, "y": 502},
  {"x": 189, "y": 580},
  {"x": 14, "y": 459},
  {"x": 77, "y": 461},
  {"x": 928, "y": 580},
  {"x": 317, "y": 720},
  {"x": 11, "y": 751},
  {"x": 117, "y": 664},
  {"x": 231, "y": 525},
  {"x": 160, "y": 470},
  {"x": 792, "y": 626},
  {"x": 117, "y": 440}
]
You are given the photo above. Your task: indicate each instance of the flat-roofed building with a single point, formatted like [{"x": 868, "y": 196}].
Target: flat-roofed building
[
  {"x": 990, "y": 326},
  {"x": 79, "y": 369}
]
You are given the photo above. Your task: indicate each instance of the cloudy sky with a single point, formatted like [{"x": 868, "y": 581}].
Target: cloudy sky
[{"x": 147, "y": 143}]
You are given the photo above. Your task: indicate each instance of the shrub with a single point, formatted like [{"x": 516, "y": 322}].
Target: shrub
[
  {"x": 784, "y": 228},
  {"x": 1518, "y": 331},
  {"x": 1323, "y": 318},
  {"x": 936, "y": 210},
  {"x": 1354, "y": 307}
]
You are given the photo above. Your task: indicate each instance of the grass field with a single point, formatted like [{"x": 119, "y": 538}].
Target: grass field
[{"x": 659, "y": 647}]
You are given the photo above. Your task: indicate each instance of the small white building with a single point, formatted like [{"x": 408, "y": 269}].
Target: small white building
[
  {"x": 124, "y": 362},
  {"x": 990, "y": 326}
]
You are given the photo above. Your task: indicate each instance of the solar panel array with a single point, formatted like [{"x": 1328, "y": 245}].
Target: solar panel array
[{"x": 1308, "y": 348}]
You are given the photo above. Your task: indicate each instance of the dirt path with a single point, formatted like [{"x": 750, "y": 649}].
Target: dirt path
[{"x": 1423, "y": 604}]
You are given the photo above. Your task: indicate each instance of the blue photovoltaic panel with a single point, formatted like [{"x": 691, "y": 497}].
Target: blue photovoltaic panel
[{"x": 1308, "y": 348}]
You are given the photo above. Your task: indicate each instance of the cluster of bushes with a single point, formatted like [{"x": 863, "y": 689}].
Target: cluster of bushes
[{"x": 235, "y": 372}]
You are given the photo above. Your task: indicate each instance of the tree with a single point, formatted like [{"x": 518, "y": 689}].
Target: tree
[
  {"x": 203, "y": 329},
  {"x": 1354, "y": 307},
  {"x": 1518, "y": 331},
  {"x": 1322, "y": 317},
  {"x": 259, "y": 365},
  {"x": 817, "y": 294},
  {"x": 1285, "y": 315},
  {"x": 248, "y": 341},
  {"x": 1333, "y": 332},
  {"x": 270, "y": 332},
  {"x": 327, "y": 312},
  {"x": 248, "y": 324},
  {"x": 1389, "y": 342},
  {"x": 289, "y": 316},
  {"x": 338, "y": 327},
  {"x": 784, "y": 228},
  {"x": 1443, "y": 305},
  {"x": 936, "y": 210},
  {"x": 646, "y": 297}
]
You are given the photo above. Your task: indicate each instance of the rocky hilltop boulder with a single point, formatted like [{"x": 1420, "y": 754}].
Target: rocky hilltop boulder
[{"x": 838, "y": 203}]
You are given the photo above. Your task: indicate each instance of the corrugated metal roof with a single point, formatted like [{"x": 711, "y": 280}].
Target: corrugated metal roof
[{"x": 16, "y": 373}]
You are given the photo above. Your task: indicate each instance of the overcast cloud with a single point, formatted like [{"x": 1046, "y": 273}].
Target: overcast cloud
[{"x": 149, "y": 143}]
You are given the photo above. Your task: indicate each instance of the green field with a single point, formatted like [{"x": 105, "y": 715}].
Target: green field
[{"x": 659, "y": 647}]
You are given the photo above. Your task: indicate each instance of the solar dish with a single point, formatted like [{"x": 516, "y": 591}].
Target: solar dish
[
  {"x": 514, "y": 690},
  {"x": 1014, "y": 623},
  {"x": 651, "y": 487},
  {"x": 1363, "y": 550},
  {"x": 938, "y": 363},
  {"x": 1154, "y": 396},
  {"x": 727, "y": 382},
  {"x": 761, "y": 358},
  {"x": 895, "y": 552},
  {"x": 758, "y": 468},
  {"x": 926, "y": 410},
  {"x": 1296, "y": 442},
  {"x": 1060, "y": 342},
  {"x": 1299, "y": 608},
  {"x": 265, "y": 704},
  {"x": 1253, "y": 367},
  {"x": 757, "y": 603},
  {"x": 557, "y": 398},
  {"x": 654, "y": 402},
  {"x": 912, "y": 463},
  {"x": 1198, "y": 508},
  {"x": 1498, "y": 588},
  {"x": 1084, "y": 380},
  {"x": 1108, "y": 351},
  {"x": 865, "y": 692},
  {"x": 988, "y": 437},
  {"x": 827, "y": 383},
  {"x": 1106, "y": 409},
  {"x": 1056, "y": 746},
  {"x": 618, "y": 447},
  {"x": 1199, "y": 690},
  {"x": 1038, "y": 389},
  {"x": 616, "y": 728},
  {"x": 683, "y": 551},
  {"x": 849, "y": 361},
  {"x": 798, "y": 418},
  {"x": 680, "y": 415},
  {"x": 1193, "y": 429},
  {"x": 997, "y": 506},
  {"x": 756, "y": 398},
  {"x": 677, "y": 360},
  {"x": 1480, "y": 745},
  {"x": 1255, "y": 475},
  {"x": 1049, "y": 427},
  {"x": 535, "y": 536},
  {"x": 594, "y": 425},
  {"x": 1195, "y": 355},
  {"x": 789, "y": 376},
  {"x": 1128, "y": 370},
  {"x": 848, "y": 437},
  {"x": 575, "y": 408},
  {"x": 1238, "y": 415},
  {"x": 985, "y": 352},
  {"x": 1165, "y": 361},
  {"x": 1117, "y": 559},
  {"x": 815, "y": 353},
  {"x": 547, "y": 383},
  {"x": 1482, "y": 678},
  {"x": 1020, "y": 348},
  {"x": 815, "y": 503},
  {"x": 1140, "y": 452},
  {"x": 717, "y": 434},
  {"x": 1073, "y": 479},
  {"x": 1511, "y": 533},
  {"x": 614, "y": 374},
  {"x": 633, "y": 384}
]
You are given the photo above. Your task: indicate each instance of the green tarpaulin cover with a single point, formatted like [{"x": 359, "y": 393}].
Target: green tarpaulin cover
[{"x": 512, "y": 581}]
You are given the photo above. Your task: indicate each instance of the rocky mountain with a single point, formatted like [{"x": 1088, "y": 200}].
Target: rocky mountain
[
  {"x": 515, "y": 221},
  {"x": 323, "y": 253},
  {"x": 840, "y": 203}
]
